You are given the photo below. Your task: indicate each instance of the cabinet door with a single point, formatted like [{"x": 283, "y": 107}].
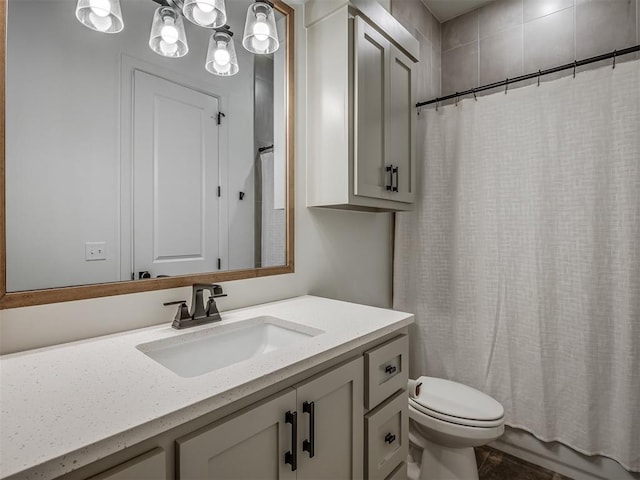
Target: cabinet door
[
  {"x": 371, "y": 81},
  {"x": 149, "y": 466},
  {"x": 401, "y": 125},
  {"x": 330, "y": 424},
  {"x": 252, "y": 444}
]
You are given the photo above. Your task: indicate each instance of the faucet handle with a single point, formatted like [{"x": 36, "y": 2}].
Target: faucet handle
[{"x": 183, "y": 311}]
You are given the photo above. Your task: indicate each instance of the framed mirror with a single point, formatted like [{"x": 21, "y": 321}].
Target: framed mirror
[{"x": 140, "y": 159}]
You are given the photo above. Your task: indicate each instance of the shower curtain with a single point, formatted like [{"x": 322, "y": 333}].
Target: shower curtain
[{"x": 521, "y": 260}]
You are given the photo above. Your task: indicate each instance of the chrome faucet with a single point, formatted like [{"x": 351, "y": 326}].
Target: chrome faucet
[{"x": 199, "y": 314}]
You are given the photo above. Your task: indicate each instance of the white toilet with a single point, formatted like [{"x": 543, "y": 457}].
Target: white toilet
[{"x": 446, "y": 420}]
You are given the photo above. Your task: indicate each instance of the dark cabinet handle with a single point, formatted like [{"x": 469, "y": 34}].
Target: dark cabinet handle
[
  {"x": 394, "y": 171},
  {"x": 390, "y": 438},
  {"x": 309, "y": 445},
  {"x": 389, "y": 369},
  {"x": 389, "y": 170},
  {"x": 291, "y": 457}
]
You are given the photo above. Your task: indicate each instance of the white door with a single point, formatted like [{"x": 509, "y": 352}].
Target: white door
[{"x": 175, "y": 178}]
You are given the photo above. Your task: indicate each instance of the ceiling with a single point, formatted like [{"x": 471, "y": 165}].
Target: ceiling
[{"x": 445, "y": 10}]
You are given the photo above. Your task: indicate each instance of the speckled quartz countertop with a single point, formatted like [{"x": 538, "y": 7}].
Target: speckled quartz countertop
[{"x": 66, "y": 406}]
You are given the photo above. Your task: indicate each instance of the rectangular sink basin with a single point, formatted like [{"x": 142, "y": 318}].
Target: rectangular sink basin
[{"x": 203, "y": 351}]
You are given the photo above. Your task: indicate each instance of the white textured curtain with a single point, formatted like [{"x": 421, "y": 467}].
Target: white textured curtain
[{"x": 521, "y": 260}]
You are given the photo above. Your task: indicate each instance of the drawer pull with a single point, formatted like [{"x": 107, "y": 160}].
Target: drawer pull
[
  {"x": 390, "y": 369},
  {"x": 394, "y": 171},
  {"x": 291, "y": 457},
  {"x": 390, "y": 438},
  {"x": 309, "y": 445},
  {"x": 389, "y": 170}
]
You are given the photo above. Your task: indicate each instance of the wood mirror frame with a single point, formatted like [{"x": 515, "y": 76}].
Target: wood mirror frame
[{"x": 65, "y": 294}]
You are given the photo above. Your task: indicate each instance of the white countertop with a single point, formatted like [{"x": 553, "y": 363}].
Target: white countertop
[{"x": 66, "y": 406}]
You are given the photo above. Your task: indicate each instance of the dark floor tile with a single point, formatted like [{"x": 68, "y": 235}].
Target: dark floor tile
[
  {"x": 501, "y": 466},
  {"x": 481, "y": 455}
]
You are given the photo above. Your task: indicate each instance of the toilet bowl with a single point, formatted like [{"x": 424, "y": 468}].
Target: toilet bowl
[{"x": 446, "y": 420}]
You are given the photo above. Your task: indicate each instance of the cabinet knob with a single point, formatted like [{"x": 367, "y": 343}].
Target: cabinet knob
[
  {"x": 389, "y": 369},
  {"x": 390, "y": 438}
]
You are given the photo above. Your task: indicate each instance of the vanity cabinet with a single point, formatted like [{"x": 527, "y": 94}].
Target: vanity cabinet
[
  {"x": 149, "y": 466},
  {"x": 362, "y": 75},
  {"x": 343, "y": 419},
  {"x": 313, "y": 430}
]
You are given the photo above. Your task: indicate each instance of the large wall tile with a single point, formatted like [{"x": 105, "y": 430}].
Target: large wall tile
[
  {"x": 549, "y": 41},
  {"x": 460, "y": 31},
  {"x": 436, "y": 74},
  {"x": 604, "y": 25},
  {"x": 499, "y": 15},
  {"x": 536, "y": 8},
  {"x": 424, "y": 66},
  {"x": 460, "y": 69},
  {"x": 501, "y": 55},
  {"x": 402, "y": 11}
]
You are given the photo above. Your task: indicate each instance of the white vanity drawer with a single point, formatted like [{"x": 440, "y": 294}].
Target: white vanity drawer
[
  {"x": 387, "y": 436},
  {"x": 386, "y": 370}
]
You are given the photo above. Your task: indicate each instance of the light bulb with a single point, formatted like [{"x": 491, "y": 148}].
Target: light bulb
[
  {"x": 169, "y": 33},
  {"x": 205, "y": 13},
  {"x": 168, "y": 49},
  {"x": 221, "y": 55},
  {"x": 261, "y": 29},
  {"x": 101, "y": 8},
  {"x": 101, "y": 22},
  {"x": 222, "y": 68}
]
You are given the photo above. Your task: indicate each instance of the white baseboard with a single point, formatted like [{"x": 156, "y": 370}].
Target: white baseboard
[{"x": 560, "y": 458}]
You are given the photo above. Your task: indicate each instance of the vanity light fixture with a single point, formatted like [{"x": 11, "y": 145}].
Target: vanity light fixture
[
  {"x": 205, "y": 13},
  {"x": 167, "y": 36},
  {"x": 101, "y": 15},
  {"x": 260, "y": 33},
  {"x": 221, "y": 55}
]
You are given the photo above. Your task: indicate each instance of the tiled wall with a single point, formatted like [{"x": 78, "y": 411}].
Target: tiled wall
[
  {"x": 508, "y": 38},
  {"x": 418, "y": 20}
]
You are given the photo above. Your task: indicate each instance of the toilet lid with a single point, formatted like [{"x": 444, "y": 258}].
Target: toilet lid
[{"x": 452, "y": 399}]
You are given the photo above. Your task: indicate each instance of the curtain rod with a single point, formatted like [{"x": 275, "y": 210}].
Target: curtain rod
[{"x": 539, "y": 73}]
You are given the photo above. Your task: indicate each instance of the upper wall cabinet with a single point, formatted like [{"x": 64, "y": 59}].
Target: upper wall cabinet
[{"x": 361, "y": 116}]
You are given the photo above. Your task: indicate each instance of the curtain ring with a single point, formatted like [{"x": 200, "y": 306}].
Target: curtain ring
[
  {"x": 474, "y": 94},
  {"x": 456, "y": 99},
  {"x": 539, "y": 75},
  {"x": 506, "y": 86},
  {"x": 575, "y": 63},
  {"x": 614, "y": 58},
  {"x": 437, "y": 103}
]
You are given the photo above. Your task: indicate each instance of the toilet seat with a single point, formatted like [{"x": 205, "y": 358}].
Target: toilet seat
[{"x": 457, "y": 403}]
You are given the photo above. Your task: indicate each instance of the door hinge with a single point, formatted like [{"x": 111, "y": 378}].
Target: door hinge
[
  {"x": 219, "y": 191},
  {"x": 220, "y": 116},
  {"x": 219, "y": 264}
]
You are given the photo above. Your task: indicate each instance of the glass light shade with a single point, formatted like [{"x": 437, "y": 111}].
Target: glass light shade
[
  {"x": 100, "y": 15},
  {"x": 167, "y": 36},
  {"x": 205, "y": 13},
  {"x": 260, "y": 34},
  {"x": 221, "y": 55}
]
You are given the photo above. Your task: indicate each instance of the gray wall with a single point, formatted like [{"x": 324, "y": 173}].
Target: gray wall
[
  {"x": 508, "y": 38},
  {"x": 415, "y": 17}
]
